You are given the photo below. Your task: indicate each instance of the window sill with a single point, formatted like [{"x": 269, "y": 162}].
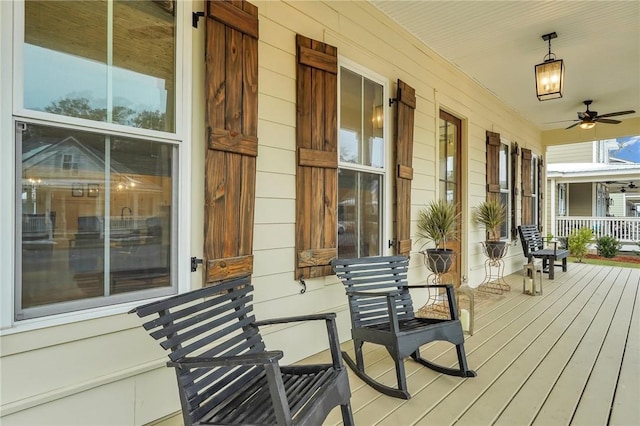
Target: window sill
[{"x": 79, "y": 325}]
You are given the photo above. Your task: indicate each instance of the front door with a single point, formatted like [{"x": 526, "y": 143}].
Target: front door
[{"x": 449, "y": 176}]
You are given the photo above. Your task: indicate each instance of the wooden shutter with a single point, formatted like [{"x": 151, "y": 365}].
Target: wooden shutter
[
  {"x": 527, "y": 218},
  {"x": 317, "y": 158},
  {"x": 515, "y": 152},
  {"x": 493, "y": 166},
  {"x": 540, "y": 194},
  {"x": 406, "y": 101},
  {"x": 232, "y": 139}
]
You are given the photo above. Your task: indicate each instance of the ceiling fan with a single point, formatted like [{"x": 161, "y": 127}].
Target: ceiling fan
[
  {"x": 588, "y": 119},
  {"x": 623, "y": 185}
]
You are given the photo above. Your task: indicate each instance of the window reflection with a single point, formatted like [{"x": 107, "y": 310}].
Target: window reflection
[
  {"x": 112, "y": 70},
  {"x": 359, "y": 219},
  {"x": 96, "y": 215}
]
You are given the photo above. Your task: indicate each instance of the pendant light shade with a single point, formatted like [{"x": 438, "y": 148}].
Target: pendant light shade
[{"x": 549, "y": 74}]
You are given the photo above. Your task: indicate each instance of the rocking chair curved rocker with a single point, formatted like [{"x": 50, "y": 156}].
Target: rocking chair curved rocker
[{"x": 382, "y": 313}]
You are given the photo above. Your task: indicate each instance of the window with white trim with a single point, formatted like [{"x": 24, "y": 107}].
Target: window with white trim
[
  {"x": 362, "y": 164},
  {"x": 534, "y": 189},
  {"x": 97, "y": 154},
  {"x": 504, "y": 174}
]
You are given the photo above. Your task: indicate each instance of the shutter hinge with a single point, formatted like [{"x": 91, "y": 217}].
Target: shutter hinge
[
  {"x": 194, "y": 263},
  {"x": 392, "y": 243},
  {"x": 195, "y": 17}
]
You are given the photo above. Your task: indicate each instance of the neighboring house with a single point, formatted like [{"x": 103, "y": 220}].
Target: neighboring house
[
  {"x": 588, "y": 177},
  {"x": 585, "y": 180},
  {"x": 219, "y": 143}
]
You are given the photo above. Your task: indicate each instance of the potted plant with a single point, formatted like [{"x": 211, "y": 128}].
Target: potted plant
[
  {"x": 437, "y": 223},
  {"x": 491, "y": 214}
]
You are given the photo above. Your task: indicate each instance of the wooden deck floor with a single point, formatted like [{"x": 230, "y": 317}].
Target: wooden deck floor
[{"x": 569, "y": 356}]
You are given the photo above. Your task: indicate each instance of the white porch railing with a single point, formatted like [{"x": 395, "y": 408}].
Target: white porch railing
[{"x": 625, "y": 229}]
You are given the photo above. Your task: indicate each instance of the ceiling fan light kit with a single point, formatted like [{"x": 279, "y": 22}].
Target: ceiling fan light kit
[
  {"x": 587, "y": 125},
  {"x": 549, "y": 74}
]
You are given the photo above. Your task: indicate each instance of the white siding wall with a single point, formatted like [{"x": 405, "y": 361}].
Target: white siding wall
[
  {"x": 108, "y": 371},
  {"x": 582, "y": 152}
]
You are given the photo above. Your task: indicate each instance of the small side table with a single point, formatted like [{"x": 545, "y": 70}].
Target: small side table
[{"x": 532, "y": 272}]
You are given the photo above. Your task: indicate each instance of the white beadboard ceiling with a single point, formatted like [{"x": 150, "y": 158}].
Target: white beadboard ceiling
[{"x": 498, "y": 43}]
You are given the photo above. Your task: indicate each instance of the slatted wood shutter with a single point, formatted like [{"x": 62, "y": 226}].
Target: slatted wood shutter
[
  {"x": 515, "y": 152},
  {"x": 406, "y": 101},
  {"x": 317, "y": 158},
  {"x": 540, "y": 193},
  {"x": 493, "y": 166},
  {"x": 527, "y": 218},
  {"x": 232, "y": 145}
]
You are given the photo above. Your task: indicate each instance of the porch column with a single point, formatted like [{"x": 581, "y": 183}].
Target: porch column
[{"x": 552, "y": 197}]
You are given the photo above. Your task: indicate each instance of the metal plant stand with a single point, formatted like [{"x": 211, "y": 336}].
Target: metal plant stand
[
  {"x": 494, "y": 271},
  {"x": 437, "y": 305}
]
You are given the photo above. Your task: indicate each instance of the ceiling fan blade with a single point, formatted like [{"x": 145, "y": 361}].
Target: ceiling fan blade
[
  {"x": 613, "y": 114},
  {"x": 607, "y": 121},
  {"x": 573, "y": 125},
  {"x": 560, "y": 121}
]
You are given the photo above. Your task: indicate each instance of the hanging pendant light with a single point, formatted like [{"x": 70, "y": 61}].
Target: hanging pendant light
[{"x": 549, "y": 74}]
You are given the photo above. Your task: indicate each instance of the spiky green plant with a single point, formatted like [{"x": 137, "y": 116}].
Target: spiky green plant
[
  {"x": 438, "y": 222},
  {"x": 491, "y": 214}
]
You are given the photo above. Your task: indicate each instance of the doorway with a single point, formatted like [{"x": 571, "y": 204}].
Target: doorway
[{"x": 449, "y": 173}]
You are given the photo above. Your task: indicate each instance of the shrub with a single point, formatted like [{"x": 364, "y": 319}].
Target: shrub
[
  {"x": 608, "y": 246},
  {"x": 578, "y": 241}
]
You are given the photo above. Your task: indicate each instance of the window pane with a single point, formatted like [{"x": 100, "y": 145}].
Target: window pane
[
  {"x": 65, "y": 59},
  {"x": 504, "y": 227},
  {"x": 373, "y": 149},
  {"x": 359, "y": 214},
  {"x": 361, "y": 120},
  {"x": 119, "y": 68},
  {"x": 96, "y": 216},
  {"x": 442, "y": 150},
  {"x": 143, "y": 64},
  {"x": 504, "y": 166},
  {"x": 350, "y": 116}
]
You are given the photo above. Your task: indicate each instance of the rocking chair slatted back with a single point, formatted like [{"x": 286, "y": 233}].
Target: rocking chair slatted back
[{"x": 369, "y": 276}]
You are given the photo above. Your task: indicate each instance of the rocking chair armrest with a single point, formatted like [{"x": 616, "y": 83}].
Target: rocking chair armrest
[
  {"x": 555, "y": 244},
  {"x": 332, "y": 331},
  {"x": 428, "y": 286},
  {"x": 261, "y": 358},
  {"x": 392, "y": 293},
  {"x": 298, "y": 318}
]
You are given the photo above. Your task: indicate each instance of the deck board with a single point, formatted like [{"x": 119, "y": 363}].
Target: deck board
[
  {"x": 626, "y": 409},
  {"x": 600, "y": 390},
  {"x": 569, "y": 356}
]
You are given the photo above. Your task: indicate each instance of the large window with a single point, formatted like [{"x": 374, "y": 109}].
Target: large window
[
  {"x": 361, "y": 166},
  {"x": 95, "y": 199}
]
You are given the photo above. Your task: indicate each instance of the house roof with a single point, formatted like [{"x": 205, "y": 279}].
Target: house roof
[{"x": 615, "y": 176}]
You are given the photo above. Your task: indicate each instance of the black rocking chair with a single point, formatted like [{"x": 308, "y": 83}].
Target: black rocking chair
[
  {"x": 382, "y": 313},
  {"x": 225, "y": 374}
]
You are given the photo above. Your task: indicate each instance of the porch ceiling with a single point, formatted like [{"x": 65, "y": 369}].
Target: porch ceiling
[{"x": 497, "y": 43}]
